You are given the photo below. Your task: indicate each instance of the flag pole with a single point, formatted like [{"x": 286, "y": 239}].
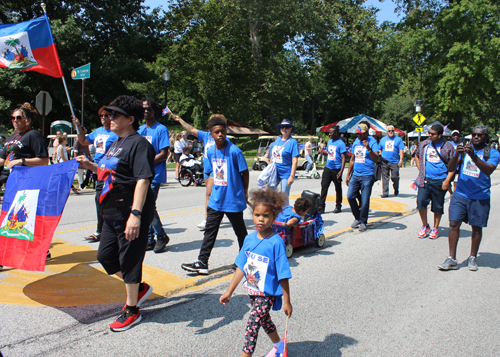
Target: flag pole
[{"x": 63, "y": 80}]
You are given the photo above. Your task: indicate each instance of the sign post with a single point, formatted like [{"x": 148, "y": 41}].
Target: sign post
[
  {"x": 82, "y": 73},
  {"x": 419, "y": 117},
  {"x": 43, "y": 104}
]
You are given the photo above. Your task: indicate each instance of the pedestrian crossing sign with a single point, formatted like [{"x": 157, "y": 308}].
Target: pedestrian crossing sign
[{"x": 419, "y": 118}]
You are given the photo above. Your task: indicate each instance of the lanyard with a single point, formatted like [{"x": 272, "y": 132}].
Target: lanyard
[
  {"x": 111, "y": 152},
  {"x": 10, "y": 144},
  {"x": 221, "y": 160}
]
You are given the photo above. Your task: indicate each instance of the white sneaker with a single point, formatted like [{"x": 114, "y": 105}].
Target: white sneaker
[{"x": 202, "y": 225}]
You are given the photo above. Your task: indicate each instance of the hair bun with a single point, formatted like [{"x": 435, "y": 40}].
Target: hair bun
[{"x": 29, "y": 108}]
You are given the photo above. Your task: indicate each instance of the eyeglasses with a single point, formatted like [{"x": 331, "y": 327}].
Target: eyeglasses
[
  {"x": 477, "y": 134},
  {"x": 104, "y": 115},
  {"x": 390, "y": 131},
  {"x": 285, "y": 127},
  {"x": 18, "y": 118}
]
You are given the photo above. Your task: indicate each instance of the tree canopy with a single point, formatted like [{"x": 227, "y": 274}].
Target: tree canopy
[{"x": 257, "y": 61}]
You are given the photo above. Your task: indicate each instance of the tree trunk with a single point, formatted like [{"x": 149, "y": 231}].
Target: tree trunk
[{"x": 459, "y": 117}]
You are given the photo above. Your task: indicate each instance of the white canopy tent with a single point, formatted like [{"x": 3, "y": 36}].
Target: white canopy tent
[{"x": 425, "y": 131}]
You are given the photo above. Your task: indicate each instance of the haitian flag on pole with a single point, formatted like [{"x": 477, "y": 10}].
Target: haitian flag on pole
[
  {"x": 29, "y": 46},
  {"x": 32, "y": 207}
]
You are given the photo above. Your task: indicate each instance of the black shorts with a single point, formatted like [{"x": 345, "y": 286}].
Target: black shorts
[
  {"x": 171, "y": 149},
  {"x": 177, "y": 157},
  {"x": 431, "y": 192}
]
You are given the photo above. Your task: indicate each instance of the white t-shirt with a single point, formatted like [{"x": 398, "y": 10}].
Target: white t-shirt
[{"x": 178, "y": 147}]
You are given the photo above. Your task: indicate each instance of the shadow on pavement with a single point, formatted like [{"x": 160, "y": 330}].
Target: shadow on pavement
[
  {"x": 490, "y": 260},
  {"x": 330, "y": 347}
]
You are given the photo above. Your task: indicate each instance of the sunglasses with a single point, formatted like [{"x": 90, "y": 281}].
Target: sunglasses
[
  {"x": 285, "y": 127},
  {"x": 477, "y": 134},
  {"x": 103, "y": 115},
  {"x": 18, "y": 118},
  {"x": 390, "y": 131},
  {"x": 148, "y": 109}
]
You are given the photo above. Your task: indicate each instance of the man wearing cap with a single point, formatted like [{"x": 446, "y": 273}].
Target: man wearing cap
[
  {"x": 471, "y": 200},
  {"x": 157, "y": 135},
  {"x": 432, "y": 157},
  {"x": 285, "y": 153},
  {"x": 361, "y": 175},
  {"x": 392, "y": 153}
]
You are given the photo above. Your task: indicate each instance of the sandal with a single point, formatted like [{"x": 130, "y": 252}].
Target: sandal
[{"x": 96, "y": 237}]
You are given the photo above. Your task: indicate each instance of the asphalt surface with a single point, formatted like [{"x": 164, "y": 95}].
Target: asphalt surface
[{"x": 376, "y": 293}]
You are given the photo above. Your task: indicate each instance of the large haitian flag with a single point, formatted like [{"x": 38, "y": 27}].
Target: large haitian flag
[
  {"x": 32, "y": 207},
  {"x": 29, "y": 46}
]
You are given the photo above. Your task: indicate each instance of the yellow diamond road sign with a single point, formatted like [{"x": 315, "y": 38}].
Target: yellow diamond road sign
[
  {"x": 419, "y": 129},
  {"x": 419, "y": 118}
]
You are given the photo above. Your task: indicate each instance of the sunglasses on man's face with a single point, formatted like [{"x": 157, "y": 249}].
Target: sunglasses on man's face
[
  {"x": 390, "y": 131},
  {"x": 18, "y": 118},
  {"x": 147, "y": 108},
  {"x": 477, "y": 134},
  {"x": 285, "y": 127}
]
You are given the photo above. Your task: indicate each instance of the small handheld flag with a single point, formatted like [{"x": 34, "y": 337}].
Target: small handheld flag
[
  {"x": 282, "y": 350},
  {"x": 165, "y": 111},
  {"x": 358, "y": 130},
  {"x": 414, "y": 185},
  {"x": 445, "y": 127}
]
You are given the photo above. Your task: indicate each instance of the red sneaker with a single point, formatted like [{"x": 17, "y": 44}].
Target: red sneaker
[
  {"x": 126, "y": 320},
  {"x": 424, "y": 232},
  {"x": 143, "y": 295},
  {"x": 434, "y": 233}
]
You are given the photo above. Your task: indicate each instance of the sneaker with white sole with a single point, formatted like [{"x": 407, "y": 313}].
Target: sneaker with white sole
[
  {"x": 202, "y": 225},
  {"x": 449, "y": 264},
  {"x": 362, "y": 227},
  {"x": 126, "y": 320},
  {"x": 434, "y": 233},
  {"x": 355, "y": 223},
  {"x": 424, "y": 231},
  {"x": 196, "y": 267},
  {"x": 472, "y": 263}
]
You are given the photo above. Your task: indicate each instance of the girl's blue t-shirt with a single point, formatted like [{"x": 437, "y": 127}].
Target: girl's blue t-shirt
[
  {"x": 102, "y": 139},
  {"x": 264, "y": 263},
  {"x": 363, "y": 163},
  {"x": 435, "y": 169},
  {"x": 283, "y": 152},
  {"x": 472, "y": 182},
  {"x": 228, "y": 191},
  {"x": 335, "y": 148}
]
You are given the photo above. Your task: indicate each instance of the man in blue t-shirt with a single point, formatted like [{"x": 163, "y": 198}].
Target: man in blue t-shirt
[
  {"x": 432, "y": 157},
  {"x": 157, "y": 135},
  {"x": 471, "y": 201},
  {"x": 336, "y": 153},
  {"x": 102, "y": 138},
  {"x": 361, "y": 175},
  {"x": 228, "y": 168},
  {"x": 392, "y": 153}
]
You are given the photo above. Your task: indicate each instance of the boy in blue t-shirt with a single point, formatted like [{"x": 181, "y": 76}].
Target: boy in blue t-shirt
[
  {"x": 229, "y": 169},
  {"x": 291, "y": 215},
  {"x": 471, "y": 201}
]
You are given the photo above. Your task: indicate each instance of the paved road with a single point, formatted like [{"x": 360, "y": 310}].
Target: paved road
[{"x": 376, "y": 293}]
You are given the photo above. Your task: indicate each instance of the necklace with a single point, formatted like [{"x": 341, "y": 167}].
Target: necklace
[
  {"x": 114, "y": 149},
  {"x": 17, "y": 137},
  {"x": 221, "y": 160}
]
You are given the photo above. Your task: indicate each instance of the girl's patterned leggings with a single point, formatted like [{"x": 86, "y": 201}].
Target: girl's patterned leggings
[{"x": 259, "y": 316}]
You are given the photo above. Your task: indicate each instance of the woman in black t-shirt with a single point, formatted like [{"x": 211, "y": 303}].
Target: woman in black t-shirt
[
  {"x": 26, "y": 147},
  {"x": 127, "y": 205}
]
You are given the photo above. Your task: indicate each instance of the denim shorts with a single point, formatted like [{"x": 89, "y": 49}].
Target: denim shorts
[
  {"x": 473, "y": 212},
  {"x": 431, "y": 192}
]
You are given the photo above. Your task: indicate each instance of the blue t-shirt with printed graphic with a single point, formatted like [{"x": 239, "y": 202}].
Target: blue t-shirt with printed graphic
[
  {"x": 363, "y": 163},
  {"x": 226, "y": 165},
  {"x": 335, "y": 148},
  {"x": 283, "y": 152},
  {"x": 102, "y": 139},
  {"x": 157, "y": 135},
  {"x": 264, "y": 263},
  {"x": 435, "y": 169},
  {"x": 472, "y": 182},
  {"x": 208, "y": 142},
  {"x": 390, "y": 148}
]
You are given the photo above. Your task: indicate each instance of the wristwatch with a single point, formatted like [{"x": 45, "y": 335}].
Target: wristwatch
[
  {"x": 136, "y": 212},
  {"x": 23, "y": 161}
]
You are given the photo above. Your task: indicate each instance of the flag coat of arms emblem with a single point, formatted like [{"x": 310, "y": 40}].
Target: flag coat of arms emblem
[
  {"x": 29, "y": 46},
  {"x": 33, "y": 203}
]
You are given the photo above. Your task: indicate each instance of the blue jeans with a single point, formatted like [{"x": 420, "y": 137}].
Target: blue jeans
[
  {"x": 363, "y": 184},
  {"x": 283, "y": 184},
  {"x": 309, "y": 162},
  {"x": 156, "y": 226}
]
